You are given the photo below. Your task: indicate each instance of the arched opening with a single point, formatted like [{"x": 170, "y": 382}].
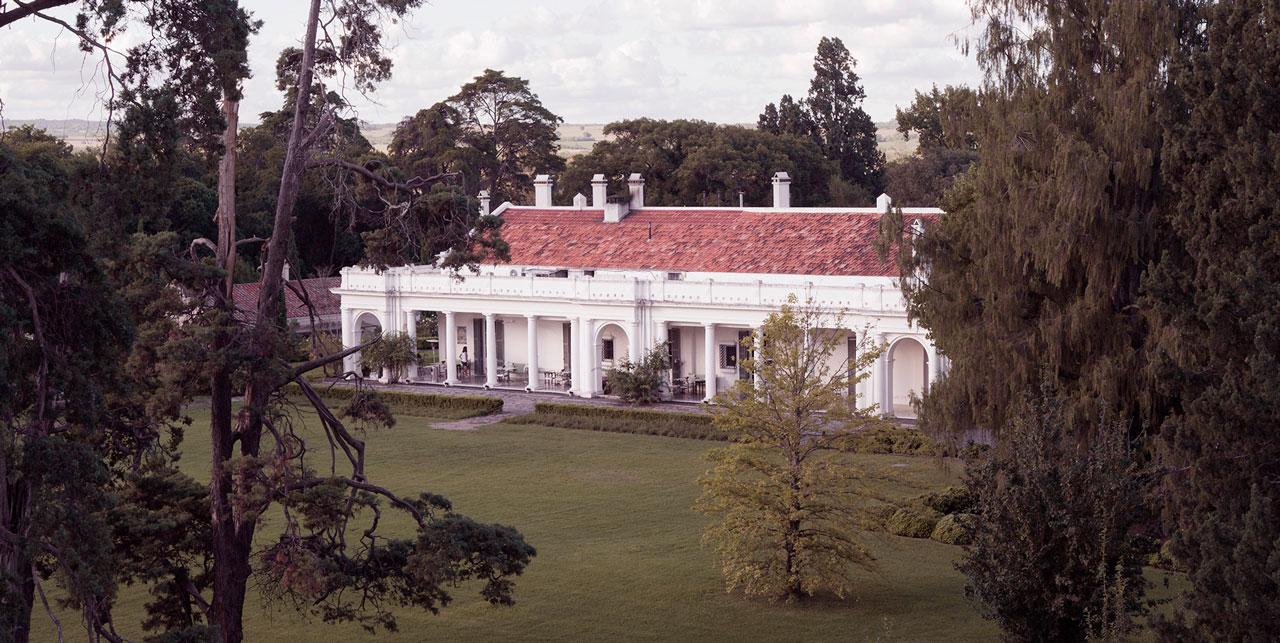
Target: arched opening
[
  {"x": 612, "y": 346},
  {"x": 368, "y": 326},
  {"x": 908, "y": 374}
]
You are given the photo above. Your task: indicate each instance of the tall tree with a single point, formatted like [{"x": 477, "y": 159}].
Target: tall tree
[
  {"x": 64, "y": 330},
  {"x": 790, "y": 506},
  {"x": 311, "y": 562},
  {"x": 832, "y": 116},
  {"x": 514, "y": 135},
  {"x": 1214, "y": 298},
  {"x": 1039, "y": 256},
  {"x": 847, "y": 132}
]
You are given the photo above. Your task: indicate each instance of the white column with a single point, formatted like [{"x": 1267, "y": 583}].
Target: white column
[
  {"x": 535, "y": 378},
  {"x": 350, "y": 338},
  {"x": 886, "y": 381},
  {"x": 633, "y": 336},
  {"x": 411, "y": 326},
  {"x": 709, "y": 356},
  {"x": 490, "y": 350},
  {"x": 575, "y": 358},
  {"x": 757, "y": 339},
  {"x": 589, "y": 358},
  {"x": 450, "y": 349}
]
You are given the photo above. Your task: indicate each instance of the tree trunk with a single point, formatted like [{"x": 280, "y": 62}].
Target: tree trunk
[
  {"x": 226, "y": 216},
  {"x": 15, "y": 567},
  {"x": 233, "y": 529}
]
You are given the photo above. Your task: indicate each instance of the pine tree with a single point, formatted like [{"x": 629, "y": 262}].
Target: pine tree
[
  {"x": 833, "y": 117},
  {"x": 1215, "y": 300}
]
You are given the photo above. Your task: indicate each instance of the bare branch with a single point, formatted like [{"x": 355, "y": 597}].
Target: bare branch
[
  {"x": 35, "y": 578},
  {"x": 328, "y": 359},
  {"x": 410, "y": 185}
]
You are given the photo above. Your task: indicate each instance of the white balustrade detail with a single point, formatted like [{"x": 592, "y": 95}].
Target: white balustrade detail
[{"x": 751, "y": 294}]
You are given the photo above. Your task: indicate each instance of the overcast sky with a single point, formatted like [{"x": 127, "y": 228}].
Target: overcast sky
[{"x": 589, "y": 61}]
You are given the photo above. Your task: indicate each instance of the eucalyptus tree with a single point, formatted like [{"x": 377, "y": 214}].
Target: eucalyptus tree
[{"x": 324, "y": 563}]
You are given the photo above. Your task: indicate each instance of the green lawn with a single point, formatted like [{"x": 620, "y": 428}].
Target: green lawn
[{"x": 618, "y": 547}]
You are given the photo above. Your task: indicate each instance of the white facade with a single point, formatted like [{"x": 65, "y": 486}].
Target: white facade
[{"x": 579, "y": 315}]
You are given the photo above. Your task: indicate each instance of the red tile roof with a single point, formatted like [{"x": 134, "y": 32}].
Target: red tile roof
[
  {"x": 317, "y": 290},
  {"x": 698, "y": 240}
]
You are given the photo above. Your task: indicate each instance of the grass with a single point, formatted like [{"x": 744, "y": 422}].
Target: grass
[{"x": 618, "y": 547}]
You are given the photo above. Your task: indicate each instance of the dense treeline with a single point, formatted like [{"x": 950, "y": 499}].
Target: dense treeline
[{"x": 1115, "y": 242}]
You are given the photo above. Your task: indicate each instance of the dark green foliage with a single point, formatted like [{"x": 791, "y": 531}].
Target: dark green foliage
[
  {"x": 448, "y": 551},
  {"x": 921, "y": 179},
  {"x": 954, "y": 529},
  {"x": 1215, "y": 302},
  {"x": 460, "y": 406},
  {"x": 1039, "y": 256},
  {"x": 832, "y": 116},
  {"x": 63, "y": 330},
  {"x": 912, "y": 523},
  {"x": 702, "y": 164},
  {"x": 585, "y": 417},
  {"x": 162, "y": 536},
  {"x": 512, "y": 137},
  {"x": 1050, "y": 536},
  {"x": 941, "y": 119},
  {"x": 893, "y": 439},
  {"x": 640, "y": 382}
]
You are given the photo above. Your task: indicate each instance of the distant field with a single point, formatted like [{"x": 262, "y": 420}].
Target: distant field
[{"x": 575, "y": 138}]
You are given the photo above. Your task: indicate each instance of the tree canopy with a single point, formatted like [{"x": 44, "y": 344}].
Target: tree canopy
[
  {"x": 699, "y": 163},
  {"x": 833, "y": 117},
  {"x": 789, "y": 505},
  {"x": 513, "y": 137}
]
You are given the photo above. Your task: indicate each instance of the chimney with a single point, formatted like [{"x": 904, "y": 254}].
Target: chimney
[
  {"x": 599, "y": 191},
  {"x": 542, "y": 191},
  {"x": 284, "y": 271},
  {"x": 883, "y": 202},
  {"x": 781, "y": 190},
  {"x": 635, "y": 183},
  {"x": 580, "y": 201},
  {"x": 484, "y": 202}
]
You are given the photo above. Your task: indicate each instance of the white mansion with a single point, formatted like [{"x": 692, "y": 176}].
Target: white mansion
[{"x": 591, "y": 284}]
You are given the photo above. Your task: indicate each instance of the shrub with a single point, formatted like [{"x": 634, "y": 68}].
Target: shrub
[
  {"x": 394, "y": 352},
  {"x": 640, "y": 382},
  {"x": 1051, "y": 558},
  {"x": 949, "y": 501},
  {"x": 954, "y": 529},
  {"x": 912, "y": 523},
  {"x": 894, "y": 440}
]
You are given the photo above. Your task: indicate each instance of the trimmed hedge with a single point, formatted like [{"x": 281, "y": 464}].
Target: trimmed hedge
[
  {"x": 585, "y": 417},
  {"x": 954, "y": 529},
  {"x": 913, "y": 523},
  {"x": 408, "y": 403}
]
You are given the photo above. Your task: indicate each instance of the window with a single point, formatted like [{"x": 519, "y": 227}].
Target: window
[
  {"x": 588, "y": 273},
  {"x": 728, "y": 356},
  {"x": 606, "y": 349},
  {"x": 675, "y": 276}
]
